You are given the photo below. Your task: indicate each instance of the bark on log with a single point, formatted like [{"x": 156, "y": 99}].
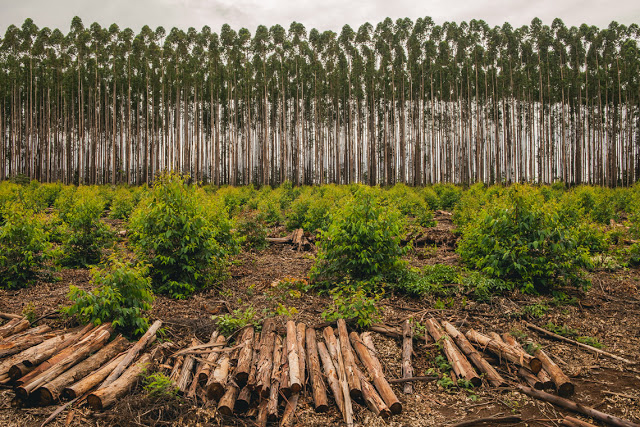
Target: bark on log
[
  {"x": 494, "y": 378},
  {"x": 38, "y": 354},
  {"x": 177, "y": 368},
  {"x": 14, "y": 326},
  {"x": 288, "y": 416},
  {"x": 50, "y": 392},
  {"x": 563, "y": 383},
  {"x": 459, "y": 362},
  {"x": 576, "y": 407},
  {"x": 574, "y": 422},
  {"x": 74, "y": 344},
  {"x": 284, "y": 378},
  {"x": 530, "y": 378},
  {"x": 301, "y": 331},
  {"x": 265, "y": 363},
  {"x": 251, "y": 381},
  {"x": 579, "y": 344},
  {"x": 355, "y": 390},
  {"x": 90, "y": 381},
  {"x": 228, "y": 400},
  {"x": 295, "y": 382},
  {"x": 544, "y": 381},
  {"x": 243, "y": 368},
  {"x": 407, "y": 349},
  {"x": 191, "y": 393},
  {"x": 218, "y": 379},
  {"x": 372, "y": 398},
  {"x": 331, "y": 374},
  {"x": 504, "y": 351},
  {"x": 272, "y": 407},
  {"x": 107, "y": 396},
  {"x": 387, "y": 330},
  {"x": 91, "y": 345},
  {"x": 346, "y": 393},
  {"x": 10, "y": 316},
  {"x": 17, "y": 345},
  {"x": 186, "y": 373},
  {"x": 315, "y": 373},
  {"x": 263, "y": 415},
  {"x": 203, "y": 375},
  {"x": 489, "y": 420},
  {"x": 243, "y": 401},
  {"x": 366, "y": 352},
  {"x": 147, "y": 338}
]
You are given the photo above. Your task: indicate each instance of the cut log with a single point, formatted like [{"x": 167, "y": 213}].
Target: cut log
[
  {"x": 387, "y": 330},
  {"x": 457, "y": 359},
  {"x": 103, "y": 331},
  {"x": 133, "y": 352},
  {"x": 407, "y": 349},
  {"x": 544, "y": 381},
  {"x": 263, "y": 415},
  {"x": 228, "y": 401},
  {"x": 243, "y": 368},
  {"x": 576, "y": 407},
  {"x": 265, "y": 358},
  {"x": 413, "y": 379},
  {"x": 295, "y": 382},
  {"x": 355, "y": 391},
  {"x": 315, "y": 373},
  {"x": 10, "y": 316},
  {"x": 579, "y": 344},
  {"x": 92, "y": 380},
  {"x": 284, "y": 379},
  {"x": 50, "y": 392},
  {"x": 191, "y": 393},
  {"x": 366, "y": 352},
  {"x": 251, "y": 381},
  {"x": 14, "y": 326},
  {"x": 243, "y": 401},
  {"x": 494, "y": 378},
  {"x": 272, "y": 406},
  {"x": 19, "y": 370},
  {"x": 108, "y": 395},
  {"x": 574, "y": 422},
  {"x": 209, "y": 365},
  {"x": 15, "y": 344},
  {"x": 177, "y": 368},
  {"x": 342, "y": 376},
  {"x": 41, "y": 352},
  {"x": 511, "y": 419},
  {"x": 372, "y": 398},
  {"x": 218, "y": 379},
  {"x": 288, "y": 416},
  {"x": 186, "y": 373},
  {"x": 331, "y": 374},
  {"x": 530, "y": 378},
  {"x": 91, "y": 345},
  {"x": 563, "y": 383},
  {"x": 301, "y": 331},
  {"x": 504, "y": 351}
]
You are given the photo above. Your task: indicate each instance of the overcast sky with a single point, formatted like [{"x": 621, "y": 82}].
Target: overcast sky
[{"x": 321, "y": 14}]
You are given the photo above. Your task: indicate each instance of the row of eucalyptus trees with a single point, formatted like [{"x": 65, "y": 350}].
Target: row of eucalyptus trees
[{"x": 401, "y": 101}]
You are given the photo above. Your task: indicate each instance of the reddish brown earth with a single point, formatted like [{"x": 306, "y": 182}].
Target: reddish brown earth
[{"x": 608, "y": 311}]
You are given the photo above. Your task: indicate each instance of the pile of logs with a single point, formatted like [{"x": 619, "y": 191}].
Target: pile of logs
[
  {"x": 301, "y": 240},
  {"x": 45, "y": 366},
  {"x": 263, "y": 374}
]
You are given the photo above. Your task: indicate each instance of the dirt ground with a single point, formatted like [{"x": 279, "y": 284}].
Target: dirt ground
[{"x": 608, "y": 311}]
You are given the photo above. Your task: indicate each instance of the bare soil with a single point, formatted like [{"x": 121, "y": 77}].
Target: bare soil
[{"x": 608, "y": 311}]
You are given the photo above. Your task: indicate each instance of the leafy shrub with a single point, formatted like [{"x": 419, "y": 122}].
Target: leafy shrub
[
  {"x": 448, "y": 194},
  {"x": 174, "y": 230},
  {"x": 254, "y": 230},
  {"x": 312, "y": 210},
  {"x": 430, "y": 280},
  {"x": 121, "y": 296},
  {"x": 123, "y": 203},
  {"x": 520, "y": 238},
  {"x": 362, "y": 243},
  {"x": 410, "y": 204},
  {"x": 354, "y": 301},
  {"x": 84, "y": 233},
  {"x": 24, "y": 248},
  {"x": 235, "y": 198},
  {"x": 158, "y": 386},
  {"x": 231, "y": 322},
  {"x": 483, "y": 287}
]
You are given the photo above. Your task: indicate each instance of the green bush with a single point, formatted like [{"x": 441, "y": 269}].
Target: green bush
[
  {"x": 354, "y": 301},
  {"x": 84, "y": 233},
  {"x": 448, "y": 194},
  {"x": 121, "y": 296},
  {"x": 430, "y": 280},
  {"x": 254, "y": 231},
  {"x": 520, "y": 238},
  {"x": 122, "y": 204},
  {"x": 362, "y": 243},
  {"x": 174, "y": 230},
  {"x": 410, "y": 204},
  {"x": 24, "y": 248},
  {"x": 231, "y": 322},
  {"x": 313, "y": 208},
  {"x": 483, "y": 287},
  {"x": 158, "y": 386}
]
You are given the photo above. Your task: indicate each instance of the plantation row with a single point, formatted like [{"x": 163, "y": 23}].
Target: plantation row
[{"x": 182, "y": 236}]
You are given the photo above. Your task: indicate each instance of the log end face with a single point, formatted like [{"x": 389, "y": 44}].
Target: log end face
[
  {"x": 396, "y": 408},
  {"x": 385, "y": 413},
  {"x": 242, "y": 378},
  {"x": 476, "y": 381},
  {"x": 22, "y": 393},
  {"x": 535, "y": 365},
  {"x": 95, "y": 402},
  {"x": 215, "y": 391},
  {"x": 323, "y": 407},
  {"x": 44, "y": 396},
  {"x": 226, "y": 411},
  {"x": 566, "y": 389},
  {"x": 355, "y": 394}
]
